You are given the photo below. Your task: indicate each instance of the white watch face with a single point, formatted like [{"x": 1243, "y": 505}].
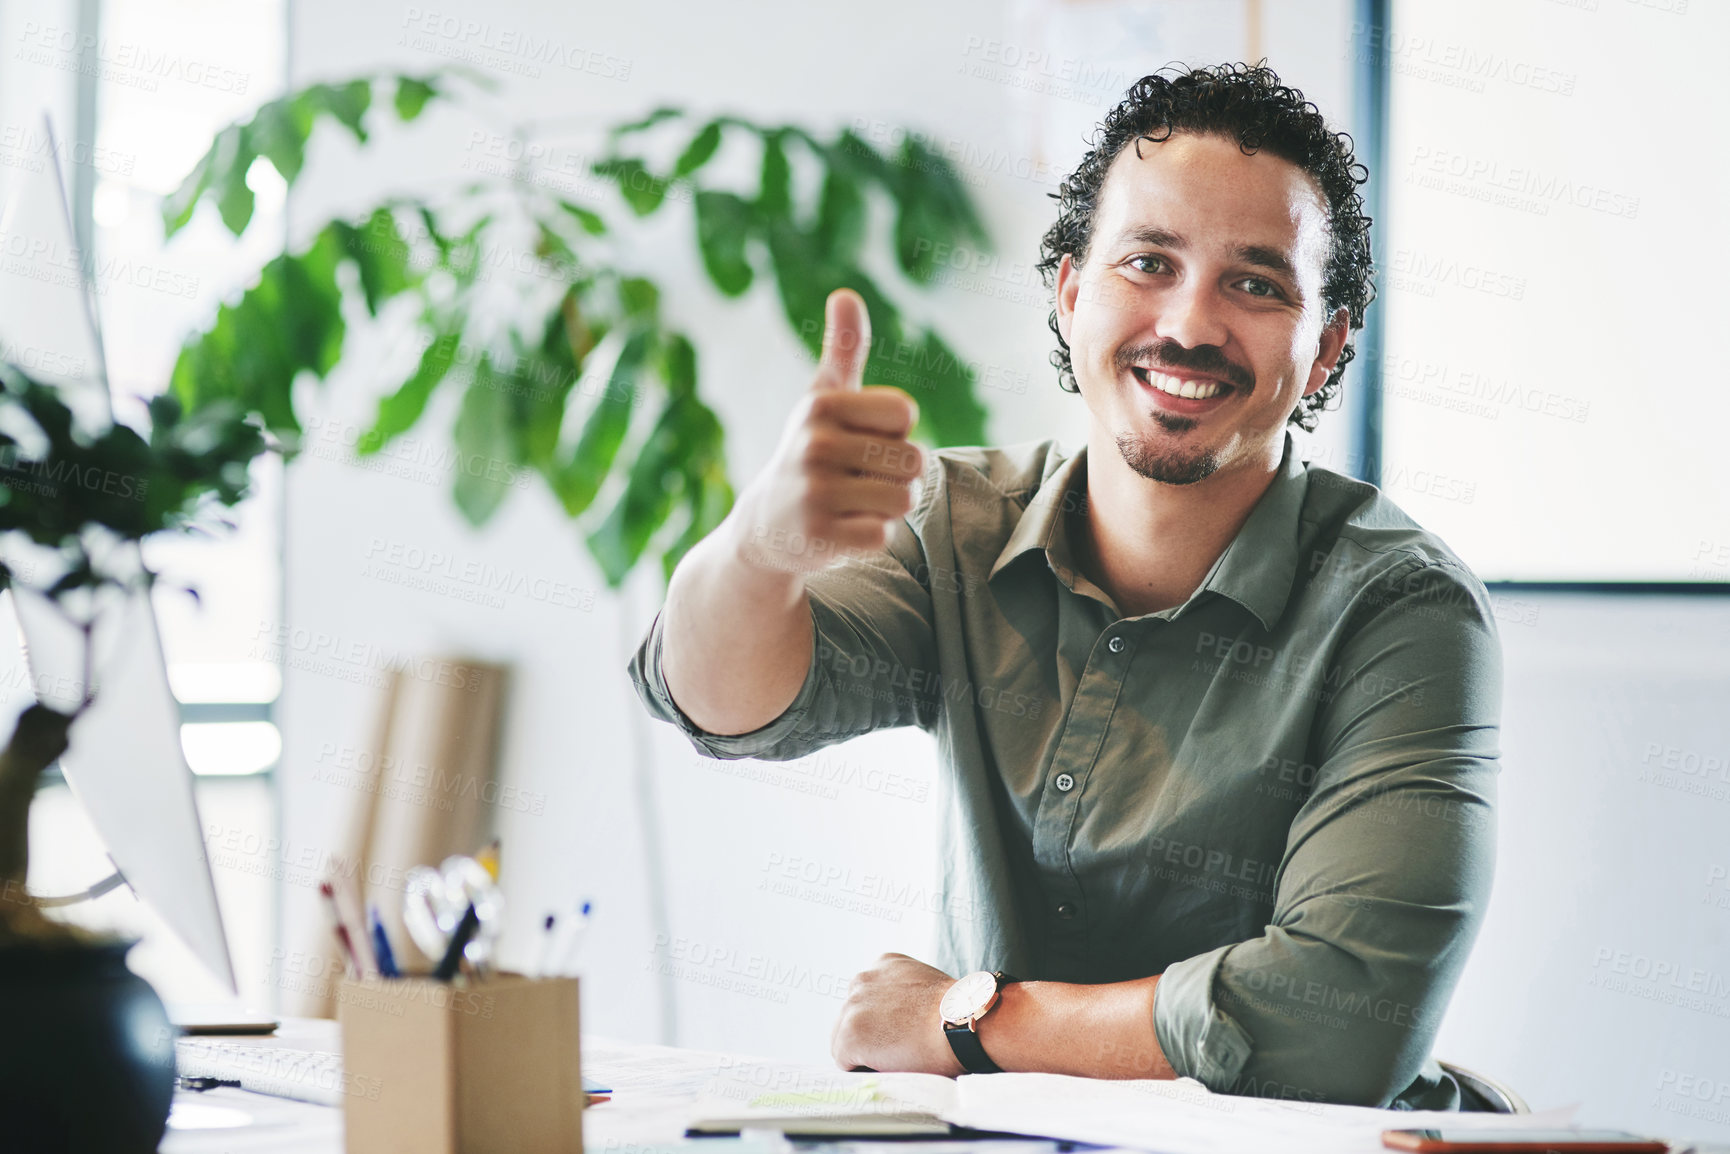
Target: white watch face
[{"x": 968, "y": 996}]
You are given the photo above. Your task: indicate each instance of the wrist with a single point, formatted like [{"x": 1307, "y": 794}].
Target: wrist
[
  {"x": 966, "y": 1006},
  {"x": 742, "y": 555},
  {"x": 997, "y": 1030}
]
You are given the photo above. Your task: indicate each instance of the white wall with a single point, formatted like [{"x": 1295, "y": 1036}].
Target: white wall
[
  {"x": 1603, "y": 973},
  {"x": 573, "y": 728}
]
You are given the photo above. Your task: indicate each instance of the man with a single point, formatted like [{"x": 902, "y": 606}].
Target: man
[{"x": 1219, "y": 727}]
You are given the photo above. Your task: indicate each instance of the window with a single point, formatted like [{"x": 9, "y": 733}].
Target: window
[{"x": 1552, "y": 291}]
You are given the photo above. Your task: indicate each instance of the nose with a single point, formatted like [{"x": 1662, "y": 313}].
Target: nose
[{"x": 1192, "y": 314}]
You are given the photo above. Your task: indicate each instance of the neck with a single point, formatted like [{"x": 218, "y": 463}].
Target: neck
[{"x": 1148, "y": 545}]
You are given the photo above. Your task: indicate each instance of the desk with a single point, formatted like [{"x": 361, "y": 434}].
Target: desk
[{"x": 653, "y": 1090}]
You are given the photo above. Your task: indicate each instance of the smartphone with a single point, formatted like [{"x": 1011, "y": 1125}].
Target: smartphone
[{"x": 1522, "y": 1141}]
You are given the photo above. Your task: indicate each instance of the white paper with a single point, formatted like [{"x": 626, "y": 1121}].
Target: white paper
[{"x": 1183, "y": 1117}]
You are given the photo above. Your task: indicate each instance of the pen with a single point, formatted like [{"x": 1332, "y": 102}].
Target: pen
[
  {"x": 579, "y": 927},
  {"x": 342, "y": 935},
  {"x": 545, "y": 953},
  {"x": 353, "y": 915},
  {"x": 381, "y": 946},
  {"x": 465, "y": 932}
]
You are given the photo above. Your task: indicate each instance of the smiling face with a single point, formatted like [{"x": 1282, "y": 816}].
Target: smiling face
[{"x": 1195, "y": 321}]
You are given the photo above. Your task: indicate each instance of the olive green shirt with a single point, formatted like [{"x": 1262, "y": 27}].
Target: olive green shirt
[{"x": 1278, "y": 795}]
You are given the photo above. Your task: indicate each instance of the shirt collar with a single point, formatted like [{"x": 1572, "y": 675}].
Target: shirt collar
[{"x": 1257, "y": 570}]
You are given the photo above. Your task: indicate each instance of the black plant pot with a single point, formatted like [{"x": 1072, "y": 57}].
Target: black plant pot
[{"x": 86, "y": 1051}]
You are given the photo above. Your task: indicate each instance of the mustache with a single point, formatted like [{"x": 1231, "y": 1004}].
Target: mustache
[{"x": 1168, "y": 354}]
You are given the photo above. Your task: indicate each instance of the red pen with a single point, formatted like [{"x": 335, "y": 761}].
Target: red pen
[{"x": 342, "y": 935}]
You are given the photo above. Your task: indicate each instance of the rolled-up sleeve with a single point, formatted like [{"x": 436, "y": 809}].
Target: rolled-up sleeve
[
  {"x": 1386, "y": 870},
  {"x": 873, "y": 660}
]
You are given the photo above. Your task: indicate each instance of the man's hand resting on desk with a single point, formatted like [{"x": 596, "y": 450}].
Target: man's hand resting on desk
[
  {"x": 844, "y": 468},
  {"x": 890, "y": 1020}
]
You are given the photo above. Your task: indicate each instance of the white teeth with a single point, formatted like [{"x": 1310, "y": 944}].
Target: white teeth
[{"x": 1178, "y": 387}]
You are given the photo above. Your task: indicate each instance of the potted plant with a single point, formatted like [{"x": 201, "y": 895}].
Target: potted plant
[
  {"x": 75, "y": 501},
  {"x": 576, "y": 375}
]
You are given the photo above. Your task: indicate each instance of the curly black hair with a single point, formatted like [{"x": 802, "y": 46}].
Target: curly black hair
[{"x": 1249, "y": 104}]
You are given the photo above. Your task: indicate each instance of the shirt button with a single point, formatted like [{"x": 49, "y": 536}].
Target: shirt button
[
  {"x": 1065, "y": 783},
  {"x": 1066, "y": 910},
  {"x": 1115, "y": 645}
]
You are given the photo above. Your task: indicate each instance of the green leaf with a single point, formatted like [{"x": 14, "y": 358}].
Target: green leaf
[
  {"x": 646, "y": 123},
  {"x": 381, "y": 255},
  {"x": 651, "y": 491},
  {"x": 234, "y": 197},
  {"x": 699, "y": 151},
  {"x": 486, "y": 462},
  {"x": 591, "y": 222},
  {"x": 841, "y": 217},
  {"x": 775, "y": 194},
  {"x": 347, "y": 102},
  {"x": 708, "y": 496},
  {"x": 398, "y": 412},
  {"x": 919, "y": 234},
  {"x": 679, "y": 364},
  {"x": 178, "y": 206},
  {"x": 437, "y": 236},
  {"x": 615, "y": 380},
  {"x": 935, "y": 212},
  {"x": 639, "y": 298},
  {"x": 642, "y": 189},
  {"x": 290, "y": 321},
  {"x": 412, "y": 94},
  {"x": 312, "y": 321},
  {"x": 942, "y": 383},
  {"x": 724, "y": 224},
  {"x": 803, "y": 286},
  {"x": 852, "y": 152},
  {"x": 279, "y": 131}
]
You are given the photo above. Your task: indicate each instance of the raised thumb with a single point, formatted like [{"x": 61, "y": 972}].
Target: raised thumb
[{"x": 846, "y": 341}]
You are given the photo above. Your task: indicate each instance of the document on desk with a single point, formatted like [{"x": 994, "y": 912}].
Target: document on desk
[
  {"x": 1183, "y": 1117},
  {"x": 802, "y": 1103}
]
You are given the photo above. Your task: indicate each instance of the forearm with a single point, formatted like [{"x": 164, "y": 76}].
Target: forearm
[
  {"x": 737, "y": 639},
  {"x": 1103, "y": 1031}
]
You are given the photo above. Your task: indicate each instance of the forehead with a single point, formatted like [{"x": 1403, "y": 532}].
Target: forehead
[{"x": 1208, "y": 191}]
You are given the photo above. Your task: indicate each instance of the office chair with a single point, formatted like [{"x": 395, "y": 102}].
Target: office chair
[{"x": 1483, "y": 1095}]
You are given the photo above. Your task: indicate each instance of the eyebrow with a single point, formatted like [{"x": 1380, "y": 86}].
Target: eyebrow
[{"x": 1258, "y": 255}]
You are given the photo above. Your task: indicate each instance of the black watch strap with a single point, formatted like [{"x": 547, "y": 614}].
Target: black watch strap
[
  {"x": 969, "y": 1051},
  {"x": 971, "y": 1054}
]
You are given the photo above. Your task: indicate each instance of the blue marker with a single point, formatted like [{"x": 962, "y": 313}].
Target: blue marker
[{"x": 381, "y": 946}]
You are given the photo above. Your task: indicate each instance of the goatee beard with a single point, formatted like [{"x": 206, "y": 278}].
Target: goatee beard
[{"x": 1174, "y": 466}]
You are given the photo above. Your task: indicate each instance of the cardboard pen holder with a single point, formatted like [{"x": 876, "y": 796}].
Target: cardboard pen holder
[{"x": 435, "y": 1068}]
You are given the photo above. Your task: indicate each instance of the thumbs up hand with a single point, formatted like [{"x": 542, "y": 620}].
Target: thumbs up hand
[{"x": 844, "y": 470}]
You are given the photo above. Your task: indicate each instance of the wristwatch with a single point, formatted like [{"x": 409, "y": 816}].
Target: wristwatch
[{"x": 967, "y": 1001}]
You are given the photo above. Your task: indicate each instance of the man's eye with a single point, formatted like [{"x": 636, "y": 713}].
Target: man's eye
[
  {"x": 1137, "y": 262},
  {"x": 1257, "y": 287}
]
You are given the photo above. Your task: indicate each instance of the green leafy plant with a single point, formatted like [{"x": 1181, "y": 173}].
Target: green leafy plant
[
  {"x": 72, "y": 498},
  {"x": 573, "y": 372}
]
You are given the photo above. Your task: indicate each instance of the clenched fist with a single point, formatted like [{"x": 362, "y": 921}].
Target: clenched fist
[{"x": 844, "y": 469}]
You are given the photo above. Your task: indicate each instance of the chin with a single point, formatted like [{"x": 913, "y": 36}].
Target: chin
[{"x": 1167, "y": 459}]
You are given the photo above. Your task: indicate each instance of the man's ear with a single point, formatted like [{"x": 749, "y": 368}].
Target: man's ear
[
  {"x": 1328, "y": 349},
  {"x": 1068, "y": 290}
]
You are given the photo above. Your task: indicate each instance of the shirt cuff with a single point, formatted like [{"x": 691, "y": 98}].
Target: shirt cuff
[
  {"x": 1200, "y": 1040},
  {"x": 651, "y": 685}
]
